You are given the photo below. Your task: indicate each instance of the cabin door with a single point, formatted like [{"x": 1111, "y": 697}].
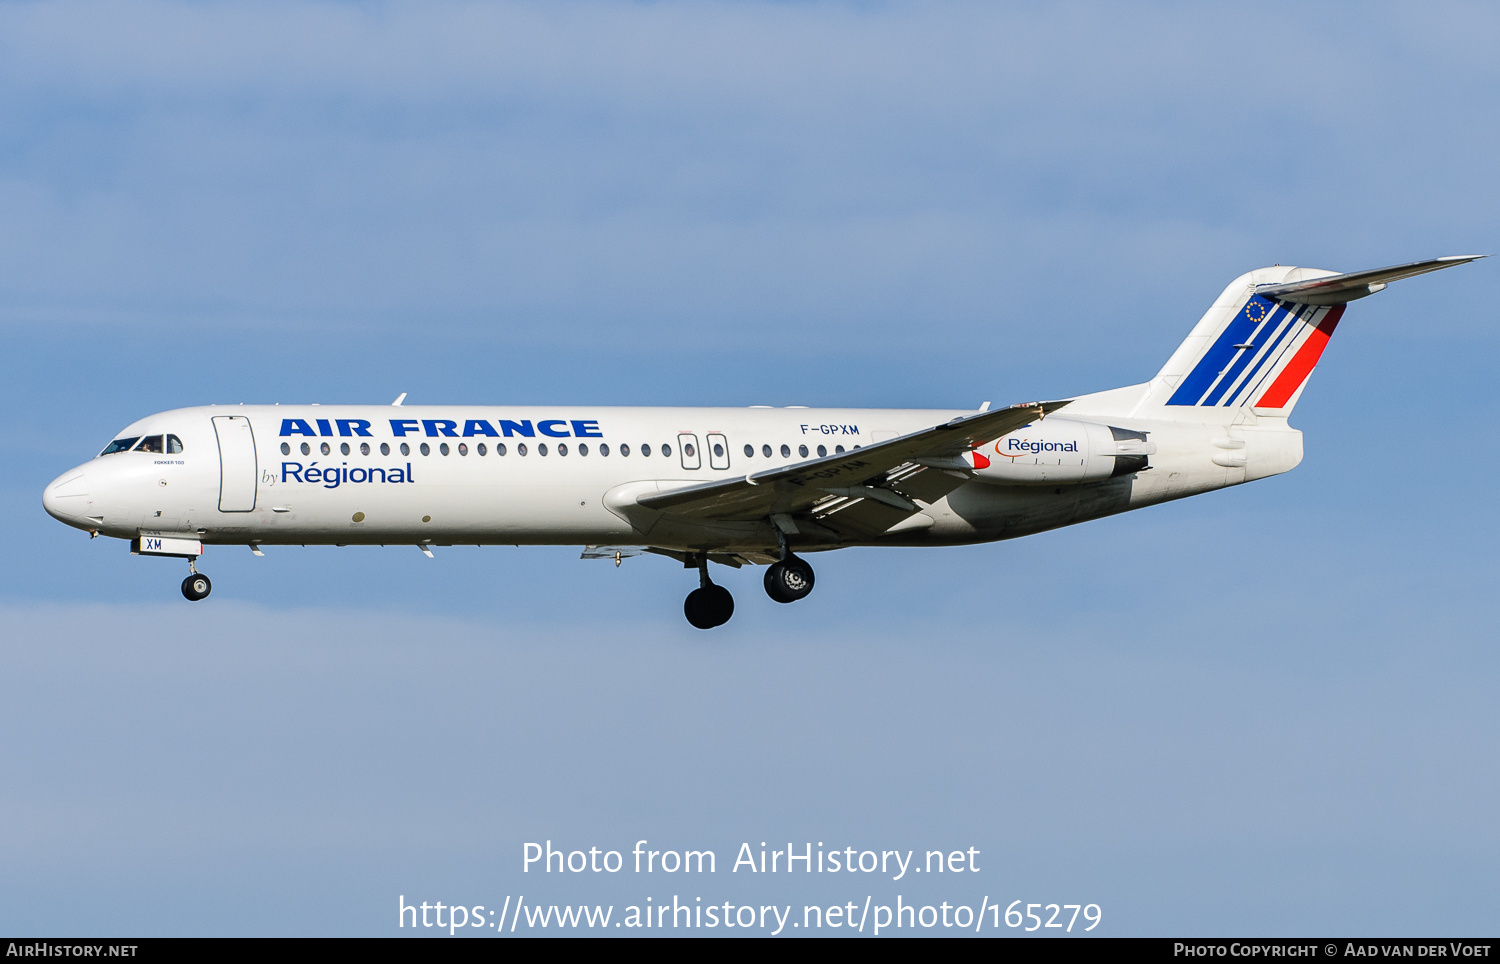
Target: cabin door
[{"x": 237, "y": 466}]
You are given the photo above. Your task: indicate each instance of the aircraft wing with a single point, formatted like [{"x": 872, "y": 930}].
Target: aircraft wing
[{"x": 857, "y": 474}]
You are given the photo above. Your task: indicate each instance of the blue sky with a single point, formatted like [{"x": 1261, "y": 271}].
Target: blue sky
[{"x": 1264, "y": 711}]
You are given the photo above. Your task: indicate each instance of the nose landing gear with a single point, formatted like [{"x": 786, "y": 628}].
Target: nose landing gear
[
  {"x": 789, "y": 580},
  {"x": 196, "y": 586},
  {"x": 709, "y": 605}
]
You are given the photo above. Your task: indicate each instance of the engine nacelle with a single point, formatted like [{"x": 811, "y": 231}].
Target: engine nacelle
[{"x": 1061, "y": 451}]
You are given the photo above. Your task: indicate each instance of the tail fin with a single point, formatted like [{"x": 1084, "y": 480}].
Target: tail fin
[
  {"x": 1259, "y": 356},
  {"x": 1262, "y": 338}
]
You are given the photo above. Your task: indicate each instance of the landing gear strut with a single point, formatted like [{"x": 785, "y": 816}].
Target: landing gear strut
[
  {"x": 789, "y": 580},
  {"x": 709, "y": 605},
  {"x": 196, "y": 586}
]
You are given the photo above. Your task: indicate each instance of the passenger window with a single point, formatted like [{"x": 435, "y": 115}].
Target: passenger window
[
  {"x": 562, "y": 448},
  {"x": 385, "y": 448},
  {"x": 480, "y": 449},
  {"x": 603, "y": 448},
  {"x": 749, "y": 451},
  {"x": 463, "y": 448},
  {"x": 324, "y": 448},
  {"x": 718, "y": 450},
  {"x": 765, "y": 450},
  {"x": 583, "y": 448},
  {"x": 802, "y": 451},
  {"x": 343, "y": 448},
  {"x": 286, "y": 448},
  {"x": 151, "y": 443},
  {"x": 405, "y": 449},
  {"x": 786, "y": 451},
  {"x": 666, "y": 450},
  {"x": 687, "y": 444},
  {"x": 521, "y": 448},
  {"x": 499, "y": 448},
  {"x": 541, "y": 448},
  {"x": 822, "y": 451},
  {"x": 645, "y": 450},
  {"x": 624, "y": 449},
  {"x": 838, "y": 450},
  {"x": 443, "y": 447},
  {"x": 174, "y": 445},
  {"x": 306, "y": 449},
  {"x": 364, "y": 448},
  {"x": 425, "y": 449}
]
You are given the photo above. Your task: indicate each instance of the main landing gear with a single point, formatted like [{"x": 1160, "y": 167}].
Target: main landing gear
[
  {"x": 789, "y": 580},
  {"x": 196, "y": 586},
  {"x": 709, "y": 605}
]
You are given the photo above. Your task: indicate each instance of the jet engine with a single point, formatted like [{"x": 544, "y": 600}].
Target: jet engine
[{"x": 1062, "y": 450}]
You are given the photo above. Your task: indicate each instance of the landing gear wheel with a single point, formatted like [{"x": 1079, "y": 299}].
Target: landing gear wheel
[
  {"x": 789, "y": 580},
  {"x": 708, "y": 606},
  {"x": 196, "y": 587}
]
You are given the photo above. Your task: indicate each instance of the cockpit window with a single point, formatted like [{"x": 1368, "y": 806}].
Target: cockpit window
[
  {"x": 151, "y": 443},
  {"x": 174, "y": 445},
  {"x": 120, "y": 445}
]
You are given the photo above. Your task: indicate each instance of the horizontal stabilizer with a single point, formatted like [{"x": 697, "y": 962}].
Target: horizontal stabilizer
[{"x": 1340, "y": 289}]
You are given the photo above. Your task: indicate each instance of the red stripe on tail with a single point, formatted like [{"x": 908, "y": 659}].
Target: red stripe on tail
[{"x": 1302, "y": 363}]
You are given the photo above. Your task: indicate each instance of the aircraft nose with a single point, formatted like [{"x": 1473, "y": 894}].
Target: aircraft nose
[{"x": 66, "y": 498}]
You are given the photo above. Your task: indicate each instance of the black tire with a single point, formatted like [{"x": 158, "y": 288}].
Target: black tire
[
  {"x": 789, "y": 581},
  {"x": 196, "y": 587},
  {"x": 708, "y": 607}
]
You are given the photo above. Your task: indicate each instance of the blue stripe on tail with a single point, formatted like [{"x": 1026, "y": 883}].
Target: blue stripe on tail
[
  {"x": 1245, "y": 356},
  {"x": 1271, "y": 359},
  {"x": 1221, "y": 354}
]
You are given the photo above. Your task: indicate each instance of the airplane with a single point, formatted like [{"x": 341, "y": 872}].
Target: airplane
[{"x": 734, "y": 486}]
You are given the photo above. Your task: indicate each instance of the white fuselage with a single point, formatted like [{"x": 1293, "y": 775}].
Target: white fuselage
[
  {"x": 339, "y": 475},
  {"x": 733, "y": 486}
]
